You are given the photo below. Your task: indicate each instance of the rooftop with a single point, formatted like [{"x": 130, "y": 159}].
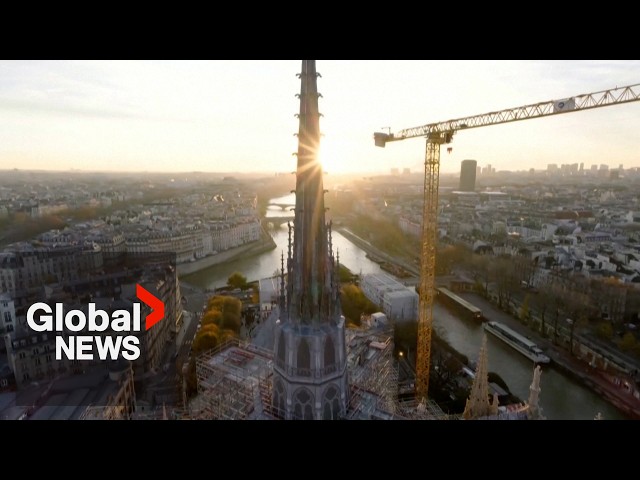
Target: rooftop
[{"x": 65, "y": 398}]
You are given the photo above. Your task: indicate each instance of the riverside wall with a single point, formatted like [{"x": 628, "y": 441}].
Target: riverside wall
[{"x": 265, "y": 243}]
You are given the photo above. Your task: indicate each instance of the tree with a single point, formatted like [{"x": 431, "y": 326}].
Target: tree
[
  {"x": 557, "y": 297},
  {"x": 444, "y": 370},
  {"x": 579, "y": 306},
  {"x": 224, "y": 311},
  {"x": 191, "y": 381},
  {"x": 405, "y": 337},
  {"x": 524, "y": 310},
  {"x": 211, "y": 317},
  {"x": 345, "y": 274},
  {"x": 612, "y": 297},
  {"x": 628, "y": 342},
  {"x": 355, "y": 303},
  {"x": 478, "y": 287},
  {"x": 524, "y": 268},
  {"x": 255, "y": 294},
  {"x": 237, "y": 280},
  {"x": 450, "y": 256},
  {"x": 206, "y": 339},
  {"x": 605, "y": 331},
  {"x": 542, "y": 302},
  {"x": 482, "y": 272},
  {"x": 503, "y": 272},
  {"x": 226, "y": 334}
]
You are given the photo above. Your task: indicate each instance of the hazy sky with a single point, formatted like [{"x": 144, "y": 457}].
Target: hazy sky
[{"x": 231, "y": 116}]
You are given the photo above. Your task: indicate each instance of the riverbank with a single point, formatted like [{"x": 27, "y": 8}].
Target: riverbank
[
  {"x": 464, "y": 335},
  {"x": 562, "y": 360},
  {"x": 265, "y": 244},
  {"x": 375, "y": 251},
  {"x": 570, "y": 366},
  {"x": 593, "y": 379}
]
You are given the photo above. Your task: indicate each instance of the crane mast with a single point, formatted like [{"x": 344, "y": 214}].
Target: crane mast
[{"x": 441, "y": 133}]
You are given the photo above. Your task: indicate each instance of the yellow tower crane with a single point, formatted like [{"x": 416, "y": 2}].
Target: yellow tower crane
[{"x": 442, "y": 132}]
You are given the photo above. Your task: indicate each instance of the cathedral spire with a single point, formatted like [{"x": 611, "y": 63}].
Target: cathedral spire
[
  {"x": 535, "y": 411},
  {"x": 310, "y": 359},
  {"x": 478, "y": 404},
  {"x": 309, "y": 302}
]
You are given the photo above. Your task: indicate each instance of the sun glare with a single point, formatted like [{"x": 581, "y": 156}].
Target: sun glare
[{"x": 333, "y": 158}]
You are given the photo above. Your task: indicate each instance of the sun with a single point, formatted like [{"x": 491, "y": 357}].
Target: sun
[{"x": 333, "y": 158}]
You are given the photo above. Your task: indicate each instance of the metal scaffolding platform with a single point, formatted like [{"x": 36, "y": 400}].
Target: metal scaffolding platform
[
  {"x": 373, "y": 376},
  {"x": 423, "y": 410},
  {"x": 233, "y": 382}
]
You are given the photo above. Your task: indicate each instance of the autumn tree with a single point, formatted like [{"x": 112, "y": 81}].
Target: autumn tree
[
  {"x": 230, "y": 312},
  {"x": 206, "y": 338},
  {"x": 355, "y": 303},
  {"x": 345, "y": 274},
  {"x": 605, "y": 331},
  {"x": 628, "y": 342},
  {"x": 212, "y": 317},
  {"x": 255, "y": 294},
  {"x": 237, "y": 280}
]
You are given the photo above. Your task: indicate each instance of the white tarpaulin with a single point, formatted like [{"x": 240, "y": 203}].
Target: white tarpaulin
[{"x": 564, "y": 105}]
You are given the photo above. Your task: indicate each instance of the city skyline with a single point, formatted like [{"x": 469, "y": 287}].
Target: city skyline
[{"x": 229, "y": 116}]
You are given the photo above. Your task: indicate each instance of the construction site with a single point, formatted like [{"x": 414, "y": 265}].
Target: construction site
[
  {"x": 315, "y": 368},
  {"x": 235, "y": 383}
]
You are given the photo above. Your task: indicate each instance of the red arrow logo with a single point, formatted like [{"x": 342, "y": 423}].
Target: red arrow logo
[{"x": 154, "y": 302}]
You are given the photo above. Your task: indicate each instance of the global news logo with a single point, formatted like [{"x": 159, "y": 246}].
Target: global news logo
[{"x": 42, "y": 318}]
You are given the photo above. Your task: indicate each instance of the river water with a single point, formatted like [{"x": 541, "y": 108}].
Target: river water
[
  {"x": 265, "y": 265},
  {"x": 561, "y": 398}
]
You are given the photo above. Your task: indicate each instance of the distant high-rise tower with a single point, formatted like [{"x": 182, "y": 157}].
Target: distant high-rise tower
[
  {"x": 310, "y": 368},
  {"x": 468, "y": 175}
]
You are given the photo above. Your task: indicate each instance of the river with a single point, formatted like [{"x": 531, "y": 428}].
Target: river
[
  {"x": 561, "y": 398},
  {"x": 265, "y": 265}
]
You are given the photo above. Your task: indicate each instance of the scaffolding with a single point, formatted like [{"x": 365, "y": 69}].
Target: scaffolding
[
  {"x": 233, "y": 382},
  {"x": 371, "y": 369},
  {"x": 424, "y": 409},
  {"x": 373, "y": 377},
  {"x": 105, "y": 412}
]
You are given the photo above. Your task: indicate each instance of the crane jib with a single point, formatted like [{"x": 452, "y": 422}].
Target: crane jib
[{"x": 604, "y": 98}]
